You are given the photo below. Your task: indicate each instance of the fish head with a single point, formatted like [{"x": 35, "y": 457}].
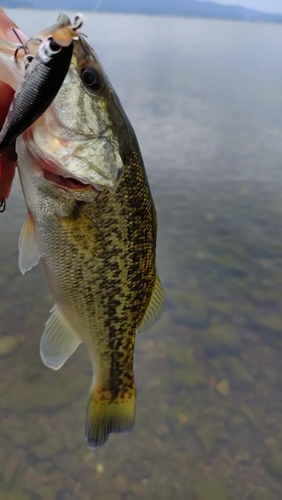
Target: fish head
[{"x": 84, "y": 134}]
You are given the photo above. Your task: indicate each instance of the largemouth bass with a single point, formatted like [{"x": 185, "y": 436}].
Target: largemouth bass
[{"x": 91, "y": 219}]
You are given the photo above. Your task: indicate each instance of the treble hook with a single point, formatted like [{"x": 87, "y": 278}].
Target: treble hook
[
  {"x": 2, "y": 206},
  {"x": 23, "y": 46}
]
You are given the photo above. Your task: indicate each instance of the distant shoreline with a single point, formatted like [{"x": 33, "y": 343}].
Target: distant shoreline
[{"x": 181, "y": 8}]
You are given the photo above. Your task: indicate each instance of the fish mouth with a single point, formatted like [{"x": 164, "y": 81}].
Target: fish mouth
[
  {"x": 54, "y": 174},
  {"x": 67, "y": 182}
]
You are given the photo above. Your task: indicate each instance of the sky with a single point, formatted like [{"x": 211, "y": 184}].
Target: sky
[{"x": 264, "y": 5}]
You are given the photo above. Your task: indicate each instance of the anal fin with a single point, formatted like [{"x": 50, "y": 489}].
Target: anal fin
[{"x": 58, "y": 341}]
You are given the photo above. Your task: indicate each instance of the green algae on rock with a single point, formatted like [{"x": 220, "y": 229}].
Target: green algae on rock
[
  {"x": 208, "y": 435},
  {"x": 262, "y": 495},
  {"x": 273, "y": 462},
  {"x": 41, "y": 393},
  {"x": 271, "y": 322},
  {"x": 251, "y": 416},
  {"x": 7, "y": 345},
  {"x": 221, "y": 338},
  {"x": 209, "y": 488},
  {"x": 235, "y": 368},
  {"x": 189, "y": 308},
  {"x": 188, "y": 372},
  {"x": 189, "y": 378},
  {"x": 14, "y": 495}
]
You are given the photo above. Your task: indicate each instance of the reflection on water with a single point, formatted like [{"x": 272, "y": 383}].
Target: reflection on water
[{"x": 205, "y": 100}]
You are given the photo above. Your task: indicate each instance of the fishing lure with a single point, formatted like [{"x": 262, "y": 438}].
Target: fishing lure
[{"x": 44, "y": 75}]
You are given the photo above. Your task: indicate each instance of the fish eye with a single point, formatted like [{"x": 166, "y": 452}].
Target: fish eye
[{"x": 91, "y": 78}]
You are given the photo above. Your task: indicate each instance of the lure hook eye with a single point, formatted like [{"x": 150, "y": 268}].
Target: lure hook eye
[
  {"x": 27, "y": 60},
  {"x": 2, "y": 205},
  {"x": 77, "y": 22}
]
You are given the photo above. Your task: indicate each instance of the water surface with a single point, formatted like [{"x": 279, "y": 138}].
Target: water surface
[{"x": 205, "y": 100}]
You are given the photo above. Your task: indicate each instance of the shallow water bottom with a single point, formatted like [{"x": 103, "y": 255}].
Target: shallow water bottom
[{"x": 209, "y": 374}]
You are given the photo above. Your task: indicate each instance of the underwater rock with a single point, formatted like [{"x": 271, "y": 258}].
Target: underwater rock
[
  {"x": 221, "y": 306},
  {"x": 23, "y": 434},
  {"x": 140, "y": 489},
  {"x": 220, "y": 339},
  {"x": 237, "y": 420},
  {"x": 46, "y": 492},
  {"x": 248, "y": 412},
  {"x": 43, "y": 392},
  {"x": 187, "y": 371},
  {"x": 14, "y": 495},
  {"x": 7, "y": 345},
  {"x": 10, "y": 468},
  {"x": 270, "y": 374},
  {"x": 51, "y": 446},
  {"x": 109, "y": 494},
  {"x": 209, "y": 488},
  {"x": 235, "y": 368},
  {"x": 189, "y": 378},
  {"x": 273, "y": 463},
  {"x": 188, "y": 308},
  {"x": 180, "y": 355},
  {"x": 262, "y": 495},
  {"x": 120, "y": 483},
  {"x": 243, "y": 457},
  {"x": 271, "y": 322},
  {"x": 208, "y": 435}
]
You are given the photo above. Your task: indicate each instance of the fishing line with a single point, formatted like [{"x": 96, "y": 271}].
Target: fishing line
[{"x": 98, "y": 3}]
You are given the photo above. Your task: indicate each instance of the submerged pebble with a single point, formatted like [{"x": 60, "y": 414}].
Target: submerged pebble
[{"x": 223, "y": 387}]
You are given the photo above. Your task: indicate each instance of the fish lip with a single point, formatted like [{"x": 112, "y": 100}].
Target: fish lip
[{"x": 64, "y": 182}]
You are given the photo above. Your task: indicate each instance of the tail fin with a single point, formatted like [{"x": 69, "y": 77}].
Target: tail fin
[{"x": 106, "y": 415}]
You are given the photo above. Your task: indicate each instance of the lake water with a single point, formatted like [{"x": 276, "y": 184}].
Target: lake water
[{"x": 205, "y": 99}]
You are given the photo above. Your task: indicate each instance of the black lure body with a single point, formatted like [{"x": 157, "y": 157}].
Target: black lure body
[
  {"x": 42, "y": 81},
  {"x": 43, "y": 78}
]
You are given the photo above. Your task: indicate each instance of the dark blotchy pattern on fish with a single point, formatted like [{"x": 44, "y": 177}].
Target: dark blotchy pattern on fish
[
  {"x": 99, "y": 254},
  {"x": 107, "y": 262}
]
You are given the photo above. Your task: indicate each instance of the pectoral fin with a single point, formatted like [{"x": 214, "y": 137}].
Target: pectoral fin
[
  {"x": 29, "y": 254},
  {"x": 155, "y": 307},
  {"x": 83, "y": 232},
  {"x": 58, "y": 341}
]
